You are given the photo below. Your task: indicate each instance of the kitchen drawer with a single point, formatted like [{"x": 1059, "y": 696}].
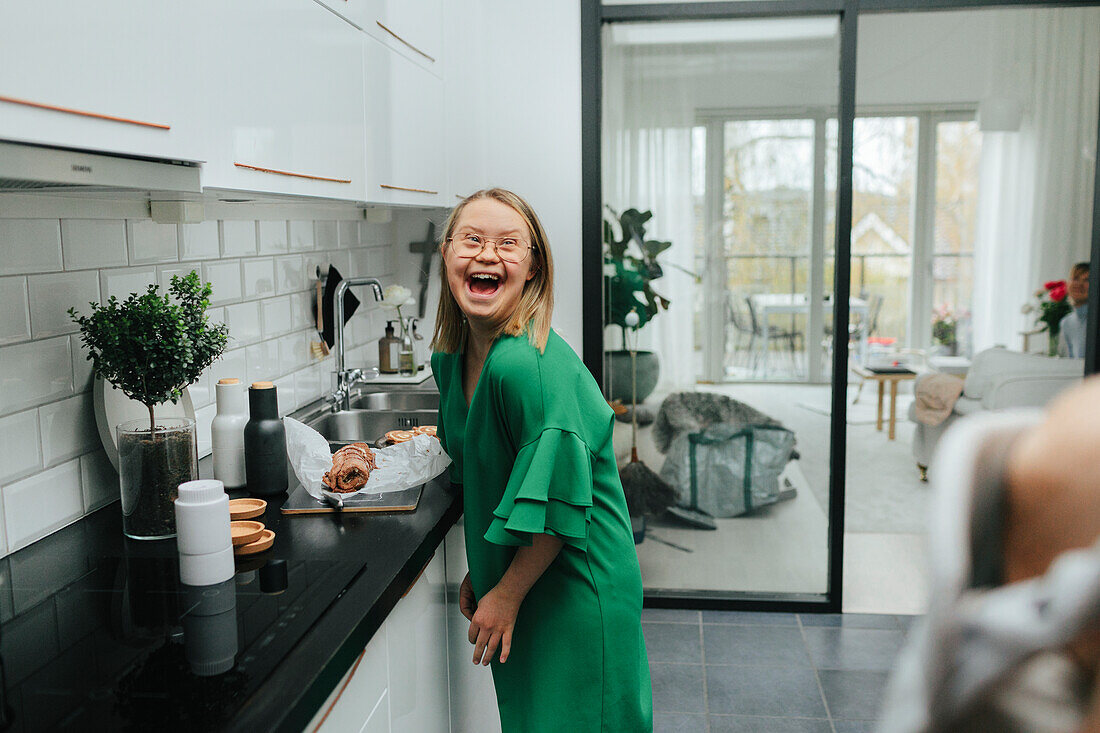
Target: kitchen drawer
[
  {"x": 360, "y": 695},
  {"x": 403, "y": 130},
  {"x": 110, "y": 77},
  {"x": 286, "y": 99}
]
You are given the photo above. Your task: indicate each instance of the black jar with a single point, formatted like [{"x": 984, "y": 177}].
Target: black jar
[{"x": 264, "y": 443}]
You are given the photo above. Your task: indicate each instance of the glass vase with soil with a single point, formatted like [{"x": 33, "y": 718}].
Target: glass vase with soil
[{"x": 152, "y": 463}]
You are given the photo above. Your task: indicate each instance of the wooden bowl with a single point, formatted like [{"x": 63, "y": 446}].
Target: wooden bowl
[
  {"x": 266, "y": 539},
  {"x": 246, "y": 508},
  {"x": 245, "y": 531}
]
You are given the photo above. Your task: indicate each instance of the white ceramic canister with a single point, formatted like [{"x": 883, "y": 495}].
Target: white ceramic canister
[
  {"x": 227, "y": 432},
  {"x": 202, "y": 532}
]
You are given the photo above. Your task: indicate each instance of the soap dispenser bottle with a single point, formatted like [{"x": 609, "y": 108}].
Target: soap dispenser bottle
[{"x": 388, "y": 351}]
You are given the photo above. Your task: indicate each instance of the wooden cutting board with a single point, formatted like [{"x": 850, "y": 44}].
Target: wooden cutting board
[{"x": 300, "y": 502}]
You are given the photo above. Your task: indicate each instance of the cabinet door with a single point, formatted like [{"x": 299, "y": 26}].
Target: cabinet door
[
  {"x": 359, "y": 701},
  {"x": 417, "y": 629},
  {"x": 286, "y": 108},
  {"x": 411, "y": 27},
  {"x": 473, "y": 697},
  {"x": 112, "y": 77},
  {"x": 403, "y": 129}
]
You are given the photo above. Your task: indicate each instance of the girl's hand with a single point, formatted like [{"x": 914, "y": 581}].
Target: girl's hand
[
  {"x": 492, "y": 624},
  {"x": 467, "y": 603}
]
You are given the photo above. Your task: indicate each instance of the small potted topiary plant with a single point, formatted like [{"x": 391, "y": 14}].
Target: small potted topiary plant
[{"x": 151, "y": 346}]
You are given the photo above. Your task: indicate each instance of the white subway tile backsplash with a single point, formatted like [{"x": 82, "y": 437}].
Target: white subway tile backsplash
[
  {"x": 29, "y": 245},
  {"x": 201, "y": 391},
  {"x": 224, "y": 279},
  {"x": 307, "y": 384},
  {"x": 293, "y": 352},
  {"x": 199, "y": 241},
  {"x": 290, "y": 274},
  {"x": 46, "y": 501},
  {"x": 259, "y": 277},
  {"x": 273, "y": 237},
  {"x": 15, "y": 310},
  {"x": 165, "y": 273},
  {"x": 68, "y": 429},
  {"x": 20, "y": 451},
  {"x": 98, "y": 479},
  {"x": 82, "y": 366},
  {"x": 231, "y": 364},
  {"x": 301, "y": 236},
  {"x": 93, "y": 243},
  {"x": 341, "y": 260},
  {"x": 215, "y": 316},
  {"x": 152, "y": 242},
  {"x": 52, "y": 295},
  {"x": 238, "y": 238},
  {"x": 204, "y": 417},
  {"x": 35, "y": 373},
  {"x": 122, "y": 282},
  {"x": 301, "y": 315},
  {"x": 263, "y": 361},
  {"x": 286, "y": 395},
  {"x": 244, "y": 322},
  {"x": 276, "y": 316},
  {"x": 326, "y": 235},
  {"x": 349, "y": 234},
  {"x": 375, "y": 234}
]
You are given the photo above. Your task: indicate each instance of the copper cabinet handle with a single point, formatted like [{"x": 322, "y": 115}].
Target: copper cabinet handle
[
  {"x": 289, "y": 173},
  {"x": 414, "y": 48},
  {"x": 84, "y": 113},
  {"x": 406, "y": 188}
]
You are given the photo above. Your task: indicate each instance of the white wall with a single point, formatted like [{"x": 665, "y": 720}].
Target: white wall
[{"x": 59, "y": 252}]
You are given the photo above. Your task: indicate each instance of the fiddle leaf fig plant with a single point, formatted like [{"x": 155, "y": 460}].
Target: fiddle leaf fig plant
[
  {"x": 628, "y": 271},
  {"x": 151, "y": 346}
]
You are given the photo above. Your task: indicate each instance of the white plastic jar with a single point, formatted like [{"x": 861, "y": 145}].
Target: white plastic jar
[{"x": 202, "y": 532}]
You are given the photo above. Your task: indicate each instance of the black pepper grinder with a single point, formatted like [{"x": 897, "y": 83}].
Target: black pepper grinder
[{"x": 264, "y": 442}]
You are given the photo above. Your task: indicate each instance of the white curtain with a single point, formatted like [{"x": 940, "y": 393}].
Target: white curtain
[
  {"x": 647, "y": 166},
  {"x": 1036, "y": 185}
]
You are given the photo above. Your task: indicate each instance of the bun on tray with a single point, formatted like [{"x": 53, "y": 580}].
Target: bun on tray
[{"x": 351, "y": 467}]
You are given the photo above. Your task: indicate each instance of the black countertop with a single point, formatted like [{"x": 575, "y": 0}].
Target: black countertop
[{"x": 97, "y": 633}]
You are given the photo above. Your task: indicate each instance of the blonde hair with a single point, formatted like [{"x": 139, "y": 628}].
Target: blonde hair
[{"x": 536, "y": 303}]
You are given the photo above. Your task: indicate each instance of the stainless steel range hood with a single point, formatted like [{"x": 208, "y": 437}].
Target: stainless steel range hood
[{"x": 29, "y": 168}]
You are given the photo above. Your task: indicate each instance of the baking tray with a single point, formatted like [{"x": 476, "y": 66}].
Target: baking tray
[{"x": 300, "y": 502}]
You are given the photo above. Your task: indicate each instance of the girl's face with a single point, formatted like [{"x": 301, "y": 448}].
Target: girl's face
[{"x": 486, "y": 288}]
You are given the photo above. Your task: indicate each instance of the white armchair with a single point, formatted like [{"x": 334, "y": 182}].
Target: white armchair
[{"x": 998, "y": 379}]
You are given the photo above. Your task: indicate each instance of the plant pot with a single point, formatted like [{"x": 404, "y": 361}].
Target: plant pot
[
  {"x": 617, "y": 375},
  {"x": 151, "y": 466}
]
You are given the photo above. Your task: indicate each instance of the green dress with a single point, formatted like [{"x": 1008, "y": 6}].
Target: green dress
[{"x": 539, "y": 459}]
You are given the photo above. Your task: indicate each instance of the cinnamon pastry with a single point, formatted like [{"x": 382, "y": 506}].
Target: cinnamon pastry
[
  {"x": 399, "y": 436},
  {"x": 351, "y": 467},
  {"x": 425, "y": 430}
]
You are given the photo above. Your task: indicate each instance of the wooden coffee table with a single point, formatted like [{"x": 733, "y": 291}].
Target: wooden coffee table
[{"x": 892, "y": 378}]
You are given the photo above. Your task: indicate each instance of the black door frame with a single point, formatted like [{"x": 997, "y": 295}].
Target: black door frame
[{"x": 593, "y": 16}]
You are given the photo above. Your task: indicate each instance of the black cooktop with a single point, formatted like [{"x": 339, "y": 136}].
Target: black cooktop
[{"x": 115, "y": 642}]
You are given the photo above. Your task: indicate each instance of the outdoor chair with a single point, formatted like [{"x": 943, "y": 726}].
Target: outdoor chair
[
  {"x": 742, "y": 326},
  {"x": 793, "y": 339}
]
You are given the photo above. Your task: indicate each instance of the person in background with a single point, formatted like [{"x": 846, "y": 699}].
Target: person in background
[
  {"x": 554, "y": 592},
  {"x": 1072, "y": 328},
  {"x": 1011, "y": 641}
]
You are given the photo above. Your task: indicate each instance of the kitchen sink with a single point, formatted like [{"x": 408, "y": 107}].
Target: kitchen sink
[
  {"x": 367, "y": 426},
  {"x": 402, "y": 401}
]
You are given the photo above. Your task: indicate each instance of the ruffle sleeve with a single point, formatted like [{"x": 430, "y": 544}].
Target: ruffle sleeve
[{"x": 549, "y": 492}]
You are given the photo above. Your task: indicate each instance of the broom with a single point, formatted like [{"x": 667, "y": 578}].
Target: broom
[{"x": 646, "y": 492}]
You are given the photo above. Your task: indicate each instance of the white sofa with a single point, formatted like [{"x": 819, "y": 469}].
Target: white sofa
[{"x": 998, "y": 379}]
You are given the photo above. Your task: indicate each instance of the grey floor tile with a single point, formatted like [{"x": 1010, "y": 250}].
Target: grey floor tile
[
  {"x": 756, "y": 724},
  {"x": 673, "y": 643},
  {"x": 851, "y": 620},
  {"x": 854, "y": 726},
  {"x": 853, "y": 695},
  {"x": 679, "y": 723},
  {"x": 770, "y": 646},
  {"x": 840, "y": 648},
  {"x": 767, "y": 691},
  {"x": 677, "y": 688},
  {"x": 670, "y": 616},
  {"x": 753, "y": 618}
]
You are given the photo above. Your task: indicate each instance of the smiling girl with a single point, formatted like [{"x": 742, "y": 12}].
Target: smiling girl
[{"x": 554, "y": 594}]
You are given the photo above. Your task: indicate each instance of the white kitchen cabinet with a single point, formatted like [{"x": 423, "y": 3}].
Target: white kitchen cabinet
[
  {"x": 412, "y": 27},
  {"x": 359, "y": 702},
  {"x": 285, "y": 91},
  {"x": 110, "y": 77},
  {"x": 417, "y": 642},
  {"x": 403, "y": 130},
  {"x": 473, "y": 697}
]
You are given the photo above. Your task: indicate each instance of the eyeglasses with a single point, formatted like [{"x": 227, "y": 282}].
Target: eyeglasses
[{"x": 508, "y": 249}]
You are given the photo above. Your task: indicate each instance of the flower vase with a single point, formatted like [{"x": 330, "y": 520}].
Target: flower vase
[
  {"x": 151, "y": 466},
  {"x": 406, "y": 353},
  {"x": 1052, "y": 343}
]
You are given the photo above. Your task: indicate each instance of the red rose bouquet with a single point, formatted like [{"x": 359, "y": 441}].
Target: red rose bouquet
[{"x": 1052, "y": 308}]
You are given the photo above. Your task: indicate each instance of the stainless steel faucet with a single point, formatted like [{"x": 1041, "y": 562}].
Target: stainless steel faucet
[{"x": 348, "y": 378}]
